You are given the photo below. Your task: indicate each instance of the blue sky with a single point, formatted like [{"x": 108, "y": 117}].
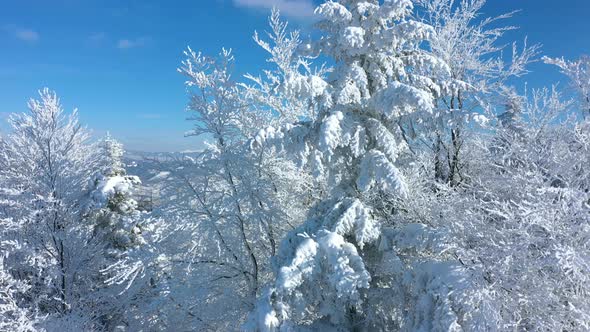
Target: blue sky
[{"x": 116, "y": 60}]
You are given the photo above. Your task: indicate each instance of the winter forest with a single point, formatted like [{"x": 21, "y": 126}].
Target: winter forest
[{"x": 386, "y": 174}]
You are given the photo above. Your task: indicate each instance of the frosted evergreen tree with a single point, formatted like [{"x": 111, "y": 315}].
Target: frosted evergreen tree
[
  {"x": 117, "y": 224},
  {"x": 113, "y": 187},
  {"x": 112, "y": 156},
  {"x": 112, "y": 207},
  {"x": 327, "y": 269}
]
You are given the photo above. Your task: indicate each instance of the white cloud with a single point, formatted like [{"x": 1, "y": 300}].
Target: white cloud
[
  {"x": 125, "y": 44},
  {"x": 292, "y": 8},
  {"x": 24, "y": 34}
]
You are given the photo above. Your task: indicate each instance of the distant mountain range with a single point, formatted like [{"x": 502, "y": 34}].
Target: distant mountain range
[{"x": 161, "y": 156}]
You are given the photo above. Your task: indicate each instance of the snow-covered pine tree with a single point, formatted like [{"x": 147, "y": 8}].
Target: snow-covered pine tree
[
  {"x": 325, "y": 269},
  {"x": 112, "y": 156},
  {"x": 117, "y": 224},
  {"x": 111, "y": 201}
]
